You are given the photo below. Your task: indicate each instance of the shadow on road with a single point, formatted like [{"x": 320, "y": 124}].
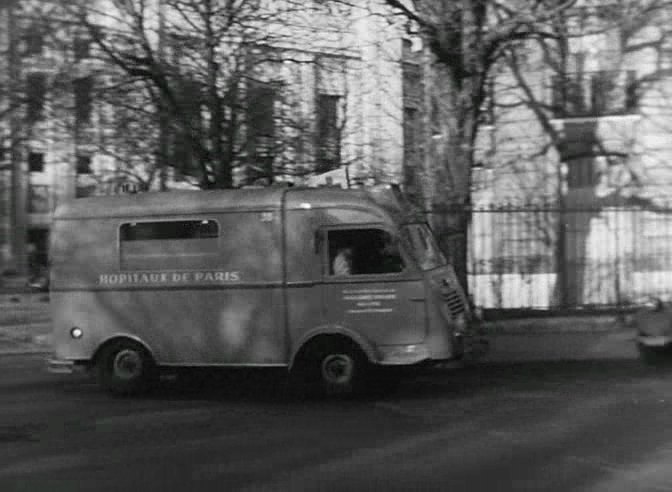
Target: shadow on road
[{"x": 272, "y": 386}]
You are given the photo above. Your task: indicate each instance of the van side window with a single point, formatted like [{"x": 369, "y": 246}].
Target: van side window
[
  {"x": 168, "y": 245},
  {"x": 363, "y": 252},
  {"x": 178, "y": 229}
]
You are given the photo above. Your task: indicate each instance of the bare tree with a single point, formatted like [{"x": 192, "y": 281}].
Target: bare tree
[
  {"x": 208, "y": 67},
  {"x": 466, "y": 38}
]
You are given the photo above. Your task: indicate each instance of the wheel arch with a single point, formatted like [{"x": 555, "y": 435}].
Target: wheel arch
[
  {"x": 120, "y": 338},
  {"x": 332, "y": 334}
]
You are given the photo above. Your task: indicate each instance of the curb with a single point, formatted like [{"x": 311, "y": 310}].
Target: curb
[
  {"x": 25, "y": 343},
  {"x": 522, "y": 347},
  {"x": 16, "y": 321},
  {"x": 23, "y": 299},
  {"x": 545, "y": 326},
  {"x": 25, "y": 351}
]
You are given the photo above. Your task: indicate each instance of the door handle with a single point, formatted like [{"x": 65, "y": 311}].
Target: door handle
[{"x": 417, "y": 299}]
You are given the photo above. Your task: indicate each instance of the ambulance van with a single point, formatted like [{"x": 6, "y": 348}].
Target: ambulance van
[{"x": 332, "y": 285}]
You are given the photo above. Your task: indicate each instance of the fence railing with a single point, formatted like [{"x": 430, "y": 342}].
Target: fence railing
[{"x": 547, "y": 257}]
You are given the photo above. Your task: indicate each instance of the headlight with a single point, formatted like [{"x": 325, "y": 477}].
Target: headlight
[
  {"x": 460, "y": 323},
  {"x": 403, "y": 354},
  {"x": 478, "y": 312}
]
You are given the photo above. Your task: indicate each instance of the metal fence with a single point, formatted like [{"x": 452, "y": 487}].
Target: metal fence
[{"x": 548, "y": 257}]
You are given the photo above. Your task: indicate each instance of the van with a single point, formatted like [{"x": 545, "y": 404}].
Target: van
[{"x": 332, "y": 285}]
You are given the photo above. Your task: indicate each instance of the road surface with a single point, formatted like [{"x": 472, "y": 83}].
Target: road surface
[{"x": 598, "y": 426}]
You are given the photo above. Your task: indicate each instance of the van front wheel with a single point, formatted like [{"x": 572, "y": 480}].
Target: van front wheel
[
  {"x": 341, "y": 369},
  {"x": 126, "y": 368}
]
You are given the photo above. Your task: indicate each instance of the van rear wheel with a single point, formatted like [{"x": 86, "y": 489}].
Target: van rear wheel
[{"x": 126, "y": 368}]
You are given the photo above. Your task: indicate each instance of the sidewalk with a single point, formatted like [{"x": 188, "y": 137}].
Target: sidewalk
[
  {"x": 25, "y": 339},
  {"x": 25, "y": 323},
  {"x": 560, "y": 338}
]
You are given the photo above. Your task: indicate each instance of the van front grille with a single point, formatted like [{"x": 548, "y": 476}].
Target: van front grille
[{"x": 453, "y": 301}]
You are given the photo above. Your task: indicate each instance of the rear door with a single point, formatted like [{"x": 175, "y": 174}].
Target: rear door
[{"x": 368, "y": 285}]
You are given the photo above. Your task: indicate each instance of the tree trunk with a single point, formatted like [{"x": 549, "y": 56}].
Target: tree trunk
[
  {"x": 221, "y": 166},
  {"x": 18, "y": 183},
  {"x": 451, "y": 157},
  {"x": 452, "y": 211}
]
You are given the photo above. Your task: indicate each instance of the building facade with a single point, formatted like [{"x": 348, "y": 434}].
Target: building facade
[
  {"x": 571, "y": 191},
  {"x": 320, "y": 91}
]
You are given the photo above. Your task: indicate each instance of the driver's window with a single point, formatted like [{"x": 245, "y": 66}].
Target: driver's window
[{"x": 363, "y": 252}]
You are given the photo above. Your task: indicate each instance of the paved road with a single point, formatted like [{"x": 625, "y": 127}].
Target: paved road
[{"x": 600, "y": 426}]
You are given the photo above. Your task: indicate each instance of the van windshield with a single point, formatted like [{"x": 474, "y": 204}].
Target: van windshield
[{"x": 423, "y": 246}]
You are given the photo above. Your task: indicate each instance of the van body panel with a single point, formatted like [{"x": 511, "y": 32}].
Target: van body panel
[
  {"x": 222, "y": 305},
  {"x": 305, "y": 310},
  {"x": 191, "y": 326},
  {"x": 155, "y": 204},
  {"x": 391, "y": 312}
]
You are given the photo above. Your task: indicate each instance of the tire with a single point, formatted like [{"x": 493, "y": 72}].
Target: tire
[
  {"x": 332, "y": 369},
  {"x": 655, "y": 356},
  {"x": 126, "y": 368}
]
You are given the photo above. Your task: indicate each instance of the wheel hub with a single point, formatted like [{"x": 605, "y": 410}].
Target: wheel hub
[
  {"x": 338, "y": 368},
  {"x": 127, "y": 364}
]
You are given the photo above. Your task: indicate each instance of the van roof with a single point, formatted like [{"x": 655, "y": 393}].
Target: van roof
[{"x": 210, "y": 201}]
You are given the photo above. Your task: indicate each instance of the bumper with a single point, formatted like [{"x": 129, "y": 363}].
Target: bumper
[
  {"x": 475, "y": 347},
  {"x": 403, "y": 355},
  {"x": 62, "y": 366},
  {"x": 654, "y": 341},
  {"x": 464, "y": 348}
]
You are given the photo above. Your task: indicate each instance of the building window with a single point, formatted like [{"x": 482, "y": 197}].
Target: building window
[
  {"x": 81, "y": 47},
  {"x": 38, "y": 259},
  {"x": 631, "y": 91},
  {"x": 38, "y": 199},
  {"x": 179, "y": 244},
  {"x": 598, "y": 93},
  {"x": 36, "y": 88},
  {"x": 36, "y": 162},
  {"x": 33, "y": 40},
  {"x": 261, "y": 100},
  {"x": 411, "y": 142},
  {"x": 328, "y": 132},
  {"x": 83, "y": 88},
  {"x": 83, "y": 164},
  {"x": 181, "y": 150},
  {"x": 412, "y": 84},
  {"x": 581, "y": 173},
  {"x": 260, "y": 103}
]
